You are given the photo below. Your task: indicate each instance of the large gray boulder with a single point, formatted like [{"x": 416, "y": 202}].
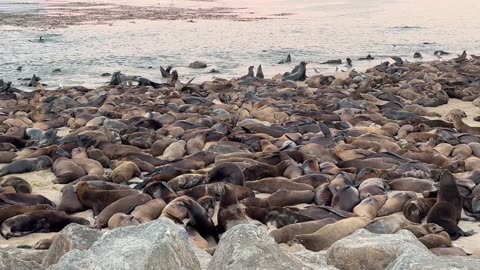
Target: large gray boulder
[
  {"x": 245, "y": 246},
  {"x": 421, "y": 261},
  {"x": 74, "y": 236},
  {"x": 9, "y": 262},
  {"x": 29, "y": 255},
  {"x": 160, "y": 244},
  {"x": 366, "y": 250}
]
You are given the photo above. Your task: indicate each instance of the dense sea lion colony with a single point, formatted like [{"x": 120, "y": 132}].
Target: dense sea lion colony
[{"x": 329, "y": 155}]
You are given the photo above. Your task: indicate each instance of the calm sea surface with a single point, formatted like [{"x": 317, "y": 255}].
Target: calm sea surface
[{"x": 310, "y": 30}]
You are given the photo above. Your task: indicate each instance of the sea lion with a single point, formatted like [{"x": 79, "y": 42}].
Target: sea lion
[
  {"x": 43, "y": 244},
  {"x": 160, "y": 190},
  {"x": 346, "y": 198},
  {"x": 208, "y": 202},
  {"x": 124, "y": 172},
  {"x": 260, "y": 72},
  {"x": 217, "y": 189},
  {"x": 270, "y": 185},
  {"x": 372, "y": 187},
  {"x": 175, "y": 151},
  {"x": 395, "y": 203},
  {"x": 284, "y": 197},
  {"x": 226, "y": 173},
  {"x": 324, "y": 195},
  {"x": 369, "y": 207},
  {"x": 123, "y": 205},
  {"x": 7, "y": 157},
  {"x": 27, "y": 165},
  {"x": 448, "y": 209},
  {"x": 97, "y": 199},
  {"x": 15, "y": 210},
  {"x": 462, "y": 127},
  {"x": 24, "y": 199},
  {"x": 99, "y": 156},
  {"x": 441, "y": 239},
  {"x": 19, "y": 184},
  {"x": 176, "y": 210},
  {"x": 91, "y": 167},
  {"x": 38, "y": 221},
  {"x": 461, "y": 152},
  {"x": 230, "y": 213},
  {"x": 288, "y": 59},
  {"x": 70, "y": 203},
  {"x": 416, "y": 209},
  {"x": 287, "y": 233},
  {"x": 120, "y": 220},
  {"x": 387, "y": 225},
  {"x": 411, "y": 184},
  {"x": 330, "y": 233},
  {"x": 66, "y": 171},
  {"x": 420, "y": 230},
  {"x": 263, "y": 170},
  {"x": 186, "y": 181},
  {"x": 449, "y": 251},
  {"x": 444, "y": 149},
  {"x": 149, "y": 211},
  {"x": 200, "y": 219}
]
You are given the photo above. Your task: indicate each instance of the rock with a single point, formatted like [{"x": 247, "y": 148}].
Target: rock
[
  {"x": 10, "y": 262},
  {"x": 74, "y": 236},
  {"x": 366, "y": 250},
  {"x": 476, "y": 102},
  {"x": 422, "y": 261},
  {"x": 160, "y": 244},
  {"x": 29, "y": 255},
  {"x": 198, "y": 64},
  {"x": 315, "y": 260},
  {"x": 245, "y": 246},
  {"x": 203, "y": 257}
]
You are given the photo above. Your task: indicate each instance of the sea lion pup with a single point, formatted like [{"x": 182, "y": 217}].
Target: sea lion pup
[
  {"x": 330, "y": 233},
  {"x": 97, "y": 199},
  {"x": 387, "y": 225},
  {"x": 27, "y": 165},
  {"x": 416, "y": 209},
  {"x": 230, "y": 213},
  {"x": 160, "y": 190},
  {"x": 287, "y": 233},
  {"x": 42, "y": 221},
  {"x": 200, "y": 220},
  {"x": 208, "y": 202},
  {"x": 43, "y": 244},
  {"x": 369, "y": 207},
  {"x": 176, "y": 210},
  {"x": 395, "y": 203},
  {"x": 66, "y": 171},
  {"x": 120, "y": 220},
  {"x": 420, "y": 230},
  {"x": 263, "y": 170},
  {"x": 99, "y": 156},
  {"x": 19, "y": 184},
  {"x": 372, "y": 187},
  {"x": 91, "y": 167},
  {"x": 123, "y": 205},
  {"x": 448, "y": 209},
  {"x": 441, "y": 239},
  {"x": 346, "y": 198},
  {"x": 123, "y": 173},
  {"x": 149, "y": 211},
  {"x": 411, "y": 184},
  {"x": 226, "y": 173},
  {"x": 270, "y": 185},
  {"x": 15, "y": 210},
  {"x": 462, "y": 127}
]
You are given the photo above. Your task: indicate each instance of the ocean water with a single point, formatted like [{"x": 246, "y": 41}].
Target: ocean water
[{"x": 309, "y": 30}]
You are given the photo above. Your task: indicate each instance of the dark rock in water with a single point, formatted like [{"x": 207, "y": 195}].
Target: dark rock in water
[
  {"x": 198, "y": 64},
  {"x": 336, "y": 62},
  {"x": 417, "y": 55},
  {"x": 160, "y": 244},
  {"x": 72, "y": 237}
]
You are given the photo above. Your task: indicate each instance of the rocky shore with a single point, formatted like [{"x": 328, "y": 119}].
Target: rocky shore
[{"x": 297, "y": 171}]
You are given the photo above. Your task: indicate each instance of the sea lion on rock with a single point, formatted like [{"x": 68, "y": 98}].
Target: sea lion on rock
[
  {"x": 448, "y": 209},
  {"x": 330, "y": 233},
  {"x": 287, "y": 233},
  {"x": 39, "y": 221},
  {"x": 441, "y": 239},
  {"x": 123, "y": 205},
  {"x": 27, "y": 165},
  {"x": 149, "y": 211},
  {"x": 19, "y": 184},
  {"x": 120, "y": 220},
  {"x": 387, "y": 225},
  {"x": 124, "y": 172},
  {"x": 420, "y": 230}
]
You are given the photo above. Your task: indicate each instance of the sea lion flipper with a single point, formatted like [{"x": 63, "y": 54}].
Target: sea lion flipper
[{"x": 469, "y": 233}]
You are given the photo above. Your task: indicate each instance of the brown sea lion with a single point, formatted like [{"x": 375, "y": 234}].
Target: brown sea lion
[
  {"x": 217, "y": 189},
  {"x": 7, "y": 157},
  {"x": 149, "y": 211},
  {"x": 369, "y": 207},
  {"x": 160, "y": 190},
  {"x": 200, "y": 219},
  {"x": 462, "y": 127},
  {"x": 124, "y": 172},
  {"x": 395, "y": 202},
  {"x": 27, "y": 165},
  {"x": 226, "y": 173},
  {"x": 284, "y": 197},
  {"x": 99, "y": 156},
  {"x": 287, "y": 233},
  {"x": 208, "y": 202},
  {"x": 330, "y": 233},
  {"x": 416, "y": 209},
  {"x": 420, "y": 230},
  {"x": 38, "y": 221},
  {"x": 449, "y": 251},
  {"x": 346, "y": 198},
  {"x": 43, "y": 244},
  {"x": 176, "y": 210},
  {"x": 14, "y": 210},
  {"x": 387, "y": 225},
  {"x": 123, "y": 205},
  {"x": 444, "y": 149},
  {"x": 270, "y": 185},
  {"x": 324, "y": 195},
  {"x": 19, "y": 184},
  {"x": 186, "y": 181},
  {"x": 116, "y": 151},
  {"x": 313, "y": 180},
  {"x": 263, "y": 170},
  {"x": 461, "y": 152},
  {"x": 448, "y": 209},
  {"x": 411, "y": 184},
  {"x": 120, "y": 220},
  {"x": 97, "y": 199},
  {"x": 70, "y": 203},
  {"x": 91, "y": 167},
  {"x": 230, "y": 213},
  {"x": 66, "y": 171},
  {"x": 442, "y": 239},
  {"x": 372, "y": 187}
]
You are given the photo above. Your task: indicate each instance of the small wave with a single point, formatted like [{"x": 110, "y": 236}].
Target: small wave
[{"x": 405, "y": 27}]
